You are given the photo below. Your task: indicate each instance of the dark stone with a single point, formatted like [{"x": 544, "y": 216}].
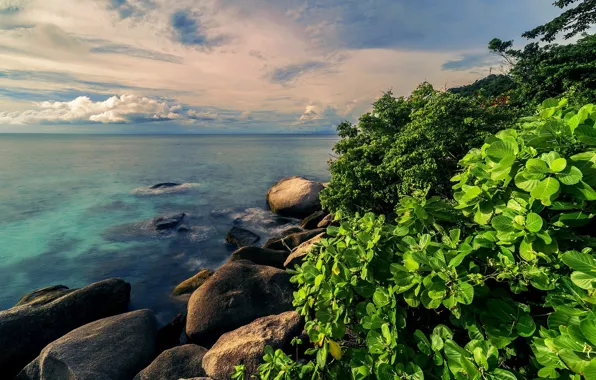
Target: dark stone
[
  {"x": 25, "y": 330},
  {"x": 292, "y": 241},
  {"x": 261, "y": 256},
  {"x": 327, "y": 221},
  {"x": 114, "y": 348},
  {"x": 43, "y": 296},
  {"x": 164, "y": 185},
  {"x": 176, "y": 363},
  {"x": 184, "y": 229},
  {"x": 246, "y": 344},
  {"x": 238, "y": 293},
  {"x": 311, "y": 221},
  {"x": 241, "y": 237},
  {"x": 171, "y": 335},
  {"x": 296, "y": 257},
  {"x": 167, "y": 222}
]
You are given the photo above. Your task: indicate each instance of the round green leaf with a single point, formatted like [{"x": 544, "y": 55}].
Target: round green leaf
[
  {"x": 375, "y": 342},
  {"x": 502, "y": 223},
  {"x": 546, "y": 189},
  {"x": 583, "y": 280},
  {"x": 570, "y": 176},
  {"x": 586, "y": 134},
  {"x": 525, "y": 326},
  {"x": 525, "y": 183},
  {"x": 533, "y": 222},
  {"x": 580, "y": 261},
  {"x": 465, "y": 293},
  {"x": 558, "y": 165},
  {"x": 501, "y": 149},
  {"x": 535, "y": 165}
]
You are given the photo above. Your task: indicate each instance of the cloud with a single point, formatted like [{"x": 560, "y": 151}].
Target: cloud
[
  {"x": 113, "y": 48},
  {"x": 188, "y": 31},
  {"x": 470, "y": 61},
  {"x": 131, "y": 8},
  {"x": 117, "y": 109},
  {"x": 292, "y": 72}
]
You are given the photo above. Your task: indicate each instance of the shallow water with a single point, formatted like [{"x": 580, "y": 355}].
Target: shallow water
[{"x": 75, "y": 209}]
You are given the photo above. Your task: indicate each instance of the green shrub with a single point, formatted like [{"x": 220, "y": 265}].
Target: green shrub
[
  {"x": 500, "y": 286},
  {"x": 407, "y": 145}
]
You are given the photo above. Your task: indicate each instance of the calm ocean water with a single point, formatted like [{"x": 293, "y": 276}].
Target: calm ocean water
[{"x": 74, "y": 209}]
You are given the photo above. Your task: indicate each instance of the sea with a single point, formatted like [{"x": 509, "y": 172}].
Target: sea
[{"x": 76, "y": 209}]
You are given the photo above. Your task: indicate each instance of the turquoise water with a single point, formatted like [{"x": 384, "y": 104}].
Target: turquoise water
[{"x": 75, "y": 209}]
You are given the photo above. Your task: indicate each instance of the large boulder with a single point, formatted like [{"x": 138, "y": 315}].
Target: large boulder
[
  {"x": 238, "y": 293},
  {"x": 167, "y": 222},
  {"x": 191, "y": 284},
  {"x": 114, "y": 348},
  {"x": 311, "y": 221},
  {"x": 297, "y": 255},
  {"x": 26, "y": 329},
  {"x": 172, "y": 334},
  {"x": 176, "y": 363},
  {"x": 246, "y": 344},
  {"x": 261, "y": 256},
  {"x": 292, "y": 241},
  {"x": 295, "y": 197},
  {"x": 241, "y": 237}
]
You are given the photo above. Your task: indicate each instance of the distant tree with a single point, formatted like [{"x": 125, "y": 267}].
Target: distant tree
[
  {"x": 573, "y": 21},
  {"x": 491, "y": 86}
]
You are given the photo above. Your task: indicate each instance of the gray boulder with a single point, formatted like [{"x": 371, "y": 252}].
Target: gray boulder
[
  {"x": 44, "y": 295},
  {"x": 241, "y": 237},
  {"x": 114, "y": 348},
  {"x": 26, "y": 329},
  {"x": 238, "y": 293},
  {"x": 295, "y": 197},
  {"x": 292, "y": 241},
  {"x": 189, "y": 285},
  {"x": 297, "y": 255},
  {"x": 246, "y": 344},
  {"x": 311, "y": 221},
  {"x": 261, "y": 256},
  {"x": 173, "y": 364}
]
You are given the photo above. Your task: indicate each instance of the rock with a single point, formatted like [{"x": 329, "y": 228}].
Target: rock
[
  {"x": 44, "y": 295},
  {"x": 190, "y": 285},
  {"x": 171, "y": 335},
  {"x": 290, "y": 231},
  {"x": 261, "y": 256},
  {"x": 292, "y": 241},
  {"x": 25, "y": 330},
  {"x": 164, "y": 185},
  {"x": 241, "y": 237},
  {"x": 114, "y": 348},
  {"x": 166, "y": 222},
  {"x": 184, "y": 229},
  {"x": 311, "y": 221},
  {"x": 297, "y": 255},
  {"x": 295, "y": 197},
  {"x": 246, "y": 344},
  {"x": 327, "y": 221},
  {"x": 175, "y": 363},
  {"x": 238, "y": 293}
]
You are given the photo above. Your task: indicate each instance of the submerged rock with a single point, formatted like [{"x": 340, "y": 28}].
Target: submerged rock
[
  {"x": 261, "y": 256},
  {"x": 295, "y": 197},
  {"x": 44, "y": 295},
  {"x": 246, "y": 344},
  {"x": 114, "y": 348},
  {"x": 26, "y": 329},
  {"x": 241, "y": 237},
  {"x": 238, "y": 293},
  {"x": 176, "y": 363},
  {"x": 292, "y": 241},
  {"x": 167, "y": 222},
  {"x": 297, "y": 255},
  {"x": 311, "y": 221},
  {"x": 190, "y": 285},
  {"x": 164, "y": 185}
]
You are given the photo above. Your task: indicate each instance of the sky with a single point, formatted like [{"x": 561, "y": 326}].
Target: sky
[{"x": 236, "y": 66}]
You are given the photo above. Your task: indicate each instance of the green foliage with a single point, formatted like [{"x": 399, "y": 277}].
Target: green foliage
[
  {"x": 489, "y": 87},
  {"x": 572, "y": 22},
  {"x": 407, "y": 145},
  {"x": 498, "y": 284}
]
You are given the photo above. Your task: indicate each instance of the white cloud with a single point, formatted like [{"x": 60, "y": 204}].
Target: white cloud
[{"x": 117, "y": 109}]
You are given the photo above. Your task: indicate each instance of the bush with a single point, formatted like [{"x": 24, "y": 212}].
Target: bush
[
  {"x": 499, "y": 283},
  {"x": 407, "y": 145}
]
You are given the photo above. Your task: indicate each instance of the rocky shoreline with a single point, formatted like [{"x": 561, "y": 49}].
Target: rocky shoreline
[{"x": 58, "y": 333}]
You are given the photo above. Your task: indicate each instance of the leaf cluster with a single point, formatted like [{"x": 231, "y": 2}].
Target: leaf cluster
[{"x": 498, "y": 283}]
